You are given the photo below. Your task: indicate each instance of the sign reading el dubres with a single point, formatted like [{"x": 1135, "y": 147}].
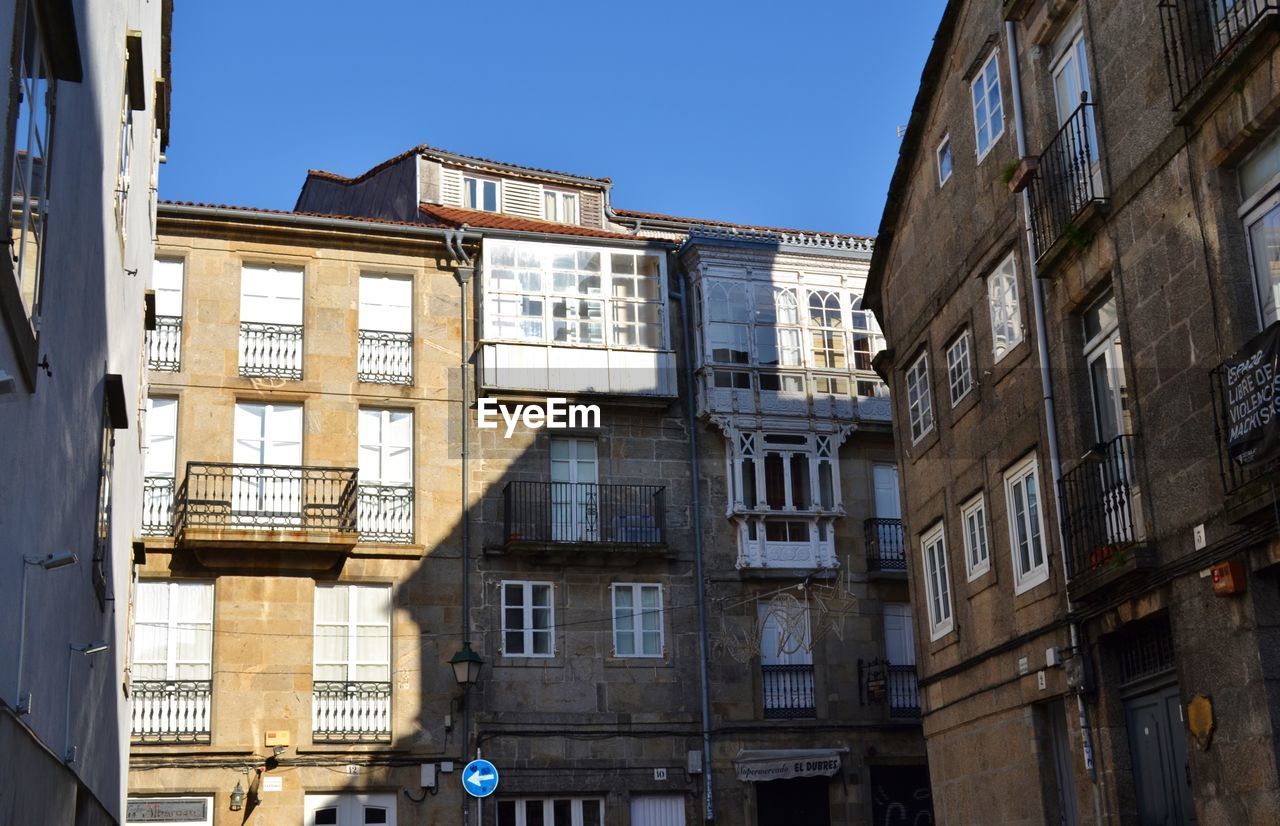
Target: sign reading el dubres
[{"x": 1253, "y": 403}]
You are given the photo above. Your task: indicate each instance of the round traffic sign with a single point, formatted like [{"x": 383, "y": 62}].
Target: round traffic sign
[{"x": 480, "y": 778}]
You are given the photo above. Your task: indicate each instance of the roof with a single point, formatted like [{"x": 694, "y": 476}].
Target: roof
[
  {"x": 911, "y": 142},
  {"x": 457, "y": 217},
  {"x": 289, "y": 212},
  {"x": 423, "y": 148},
  {"x": 692, "y": 222}
]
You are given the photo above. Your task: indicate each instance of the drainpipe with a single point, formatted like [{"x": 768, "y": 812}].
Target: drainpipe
[
  {"x": 1050, "y": 412},
  {"x": 466, "y": 269},
  {"x": 709, "y": 808}
]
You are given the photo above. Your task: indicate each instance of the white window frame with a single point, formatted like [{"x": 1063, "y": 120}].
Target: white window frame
[
  {"x": 1005, "y": 308},
  {"x": 385, "y": 446},
  {"x": 374, "y": 288},
  {"x": 960, "y": 367},
  {"x": 480, "y": 180},
  {"x": 353, "y": 625},
  {"x": 266, "y": 283},
  {"x": 1257, "y": 201},
  {"x": 576, "y": 806},
  {"x": 174, "y": 627},
  {"x": 1024, "y": 579},
  {"x": 164, "y": 285},
  {"x": 977, "y": 539},
  {"x": 988, "y": 76},
  {"x": 637, "y": 613},
  {"x": 919, "y": 399},
  {"x": 937, "y": 582},
  {"x": 124, "y": 162},
  {"x": 944, "y": 150},
  {"x": 560, "y": 199},
  {"x": 527, "y": 630}
]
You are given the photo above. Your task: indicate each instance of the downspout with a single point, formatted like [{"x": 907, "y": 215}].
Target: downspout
[
  {"x": 466, "y": 269},
  {"x": 1050, "y": 411},
  {"x": 695, "y": 502}
]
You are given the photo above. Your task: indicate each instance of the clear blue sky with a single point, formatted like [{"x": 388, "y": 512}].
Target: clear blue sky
[{"x": 782, "y": 114}]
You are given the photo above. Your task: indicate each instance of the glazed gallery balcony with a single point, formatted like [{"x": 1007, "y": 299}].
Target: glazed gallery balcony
[
  {"x": 568, "y": 514},
  {"x": 265, "y": 506}
]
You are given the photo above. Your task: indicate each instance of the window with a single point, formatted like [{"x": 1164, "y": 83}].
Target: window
[
  {"x": 944, "y": 160},
  {"x": 937, "y": 583},
  {"x": 1104, "y": 355},
  {"x": 973, "y": 521},
  {"x": 271, "y": 295},
  {"x": 572, "y": 295},
  {"x": 528, "y": 619},
  {"x": 561, "y": 207},
  {"x": 789, "y": 467},
  {"x": 106, "y": 468},
  {"x": 172, "y": 631},
  {"x": 386, "y": 303},
  {"x": 575, "y": 490},
  {"x": 735, "y": 380},
  {"x": 350, "y": 809},
  {"x": 123, "y": 173},
  {"x": 353, "y": 633},
  {"x": 959, "y": 368},
  {"x": 728, "y": 313},
  {"x": 159, "y": 465},
  {"x": 480, "y": 193},
  {"x": 637, "y": 620},
  {"x": 988, "y": 110},
  {"x": 386, "y": 447},
  {"x": 29, "y": 201},
  {"x": 267, "y": 434},
  {"x": 1006, "y": 318},
  {"x": 552, "y": 811},
  {"x": 919, "y": 403},
  {"x": 1030, "y": 565},
  {"x": 1260, "y": 192},
  {"x": 166, "y": 279},
  {"x": 826, "y": 330}
]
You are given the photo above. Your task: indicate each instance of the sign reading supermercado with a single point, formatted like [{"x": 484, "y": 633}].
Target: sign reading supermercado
[
  {"x": 1252, "y": 401},
  {"x": 759, "y": 766}
]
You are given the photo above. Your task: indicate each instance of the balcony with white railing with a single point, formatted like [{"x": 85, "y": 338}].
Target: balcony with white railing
[
  {"x": 346, "y": 712},
  {"x": 157, "y": 505},
  {"x": 164, "y": 344},
  {"x": 270, "y": 350},
  {"x": 385, "y": 513},
  {"x": 385, "y": 357},
  {"x": 171, "y": 711}
]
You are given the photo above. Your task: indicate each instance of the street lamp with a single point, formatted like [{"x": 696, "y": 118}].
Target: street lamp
[
  {"x": 86, "y": 649},
  {"x": 58, "y": 559},
  {"x": 237, "y": 797},
  {"x": 466, "y": 666}
]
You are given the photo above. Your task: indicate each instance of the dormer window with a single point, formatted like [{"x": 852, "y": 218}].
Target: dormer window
[
  {"x": 480, "y": 193},
  {"x": 561, "y": 207}
]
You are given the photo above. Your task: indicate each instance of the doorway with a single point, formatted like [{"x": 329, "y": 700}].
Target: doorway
[
  {"x": 1158, "y": 753},
  {"x": 800, "y": 801}
]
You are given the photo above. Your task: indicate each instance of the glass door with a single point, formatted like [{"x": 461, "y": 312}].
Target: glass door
[{"x": 575, "y": 502}]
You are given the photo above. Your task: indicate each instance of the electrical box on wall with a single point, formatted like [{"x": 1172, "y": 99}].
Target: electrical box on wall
[
  {"x": 277, "y": 737},
  {"x": 1228, "y": 578}
]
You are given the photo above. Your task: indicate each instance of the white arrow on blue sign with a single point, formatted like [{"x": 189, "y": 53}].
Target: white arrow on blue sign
[{"x": 480, "y": 778}]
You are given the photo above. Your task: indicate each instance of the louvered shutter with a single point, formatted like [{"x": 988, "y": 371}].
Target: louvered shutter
[{"x": 522, "y": 198}]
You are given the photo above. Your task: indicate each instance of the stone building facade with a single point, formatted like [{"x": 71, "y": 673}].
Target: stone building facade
[
  {"x": 321, "y": 385},
  {"x": 85, "y": 122},
  {"x": 1075, "y": 246}
]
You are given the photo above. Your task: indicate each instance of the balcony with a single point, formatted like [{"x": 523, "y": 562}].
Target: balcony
[
  {"x": 1200, "y": 36},
  {"x": 266, "y": 506},
  {"x": 560, "y": 369},
  {"x": 386, "y": 513},
  {"x": 904, "y": 692},
  {"x": 170, "y": 711},
  {"x": 550, "y": 515},
  {"x": 164, "y": 344},
  {"x": 1066, "y": 189},
  {"x": 270, "y": 350},
  {"x": 157, "y": 506},
  {"x": 351, "y": 712},
  {"x": 1098, "y": 502},
  {"x": 788, "y": 692},
  {"x": 385, "y": 357},
  {"x": 886, "y": 546}
]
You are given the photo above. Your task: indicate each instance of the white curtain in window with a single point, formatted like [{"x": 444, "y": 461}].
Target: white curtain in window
[
  {"x": 386, "y": 303},
  {"x": 166, "y": 280},
  {"x": 271, "y": 295},
  {"x": 162, "y": 433},
  {"x": 386, "y": 447}
]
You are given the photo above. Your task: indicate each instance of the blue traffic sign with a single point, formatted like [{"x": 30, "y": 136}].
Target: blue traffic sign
[{"x": 480, "y": 778}]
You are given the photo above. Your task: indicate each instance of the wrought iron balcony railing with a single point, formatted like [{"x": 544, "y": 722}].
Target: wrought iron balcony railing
[
  {"x": 886, "y": 547},
  {"x": 171, "y": 711},
  {"x": 345, "y": 712},
  {"x": 1097, "y": 509},
  {"x": 270, "y": 350},
  {"x": 266, "y": 497},
  {"x": 904, "y": 692},
  {"x": 386, "y": 513},
  {"x": 1200, "y": 34},
  {"x": 788, "y": 691},
  {"x": 384, "y": 357},
  {"x": 1068, "y": 179},
  {"x": 157, "y": 505},
  {"x": 579, "y": 513},
  {"x": 164, "y": 344}
]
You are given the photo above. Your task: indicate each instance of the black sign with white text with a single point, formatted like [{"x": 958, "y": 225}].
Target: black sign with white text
[{"x": 1253, "y": 405}]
